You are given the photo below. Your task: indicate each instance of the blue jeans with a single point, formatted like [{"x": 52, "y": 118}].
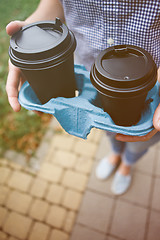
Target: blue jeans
[{"x": 132, "y": 151}]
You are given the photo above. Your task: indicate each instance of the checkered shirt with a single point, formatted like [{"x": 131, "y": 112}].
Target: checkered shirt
[{"x": 98, "y": 24}]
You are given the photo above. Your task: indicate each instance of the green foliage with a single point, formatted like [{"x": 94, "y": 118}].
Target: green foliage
[
  {"x": 20, "y": 131},
  {"x": 16, "y": 10}
]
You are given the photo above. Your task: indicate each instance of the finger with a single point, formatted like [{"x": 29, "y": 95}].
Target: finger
[
  {"x": 127, "y": 138},
  {"x": 12, "y": 88},
  {"x": 14, "y": 27}
]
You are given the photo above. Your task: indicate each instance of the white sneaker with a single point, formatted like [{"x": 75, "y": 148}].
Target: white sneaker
[
  {"x": 121, "y": 183},
  {"x": 104, "y": 169}
]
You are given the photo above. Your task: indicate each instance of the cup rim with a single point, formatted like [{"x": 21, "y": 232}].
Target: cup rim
[
  {"x": 107, "y": 84},
  {"x": 117, "y": 92},
  {"x": 67, "y": 41}
]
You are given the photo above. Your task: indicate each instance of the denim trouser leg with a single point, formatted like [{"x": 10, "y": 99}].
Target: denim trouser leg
[
  {"x": 117, "y": 146},
  {"x": 135, "y": 150},
  {"x": 132, "y": 151}
]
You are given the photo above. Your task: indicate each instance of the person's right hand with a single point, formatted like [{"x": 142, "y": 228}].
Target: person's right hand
[{"x": 15, "y": 77}]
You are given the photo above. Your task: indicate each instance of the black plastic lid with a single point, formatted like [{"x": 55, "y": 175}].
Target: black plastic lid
[
  {"x": 35, "y": 43},
  {"x": 124, "y": 69}
]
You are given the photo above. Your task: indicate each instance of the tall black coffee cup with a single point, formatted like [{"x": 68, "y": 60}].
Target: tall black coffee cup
[
  {"x": 123, "y": 75},
  {"x": 44, "y": 53}
]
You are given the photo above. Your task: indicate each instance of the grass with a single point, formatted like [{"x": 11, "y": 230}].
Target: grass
[{"x": 19, "y": 131}]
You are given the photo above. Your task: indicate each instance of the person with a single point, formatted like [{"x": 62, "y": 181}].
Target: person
[{"x": 97, "y": 25}]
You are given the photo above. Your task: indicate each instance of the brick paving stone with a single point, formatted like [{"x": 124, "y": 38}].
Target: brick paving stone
[
  {"x": 156, "y": 193},
  {"x": 20, "y": 159},
  {"x": 69, "y": 221},
  {"x": 56, "y": 216},
  {"x": 154, "y": 226},
  {"x": 64, "y": 142},
  {"x": 17, "y": 225},
  {"x": 84, "y": 148},
  {"x": 84, "y": 165},
  {"x": 12, "y": 238},
  {"x": 157, "y": 169},
  {"x": 112, "y": 238},
  {"x": 139, "y": 191},
  {"x": 50, "y": 154},
  {"x": 42, "y": 149},
  {"x": 129, "y": 221},
  {"x": 3, "y": 214},
  {"x": 91, "y": 135},
  {"x": 3, "y": 162},
  {"x": 55, "y": 193},
  {"x": 20, "y": 181},
  {"x": 146, "y": 163},
  {"x": 64, "y": 159},
  {"x": 19, "y": 202},
  {"x": 4, "y": 173},
  {"x": 50, "y": 130},
  {"x": 81, "y": 232},
  {"x": 3, "y": 236},
  {"x": 74, "y": 180},
  {"x": 58, "y": 235},
  {"x": 95, "y": 211},
  {"x": 72, "y": 199},
  {"x": 10, "y": 154},
  {"x": 39, "y": 231},
  {"x": 15, "y": 166},
  {"x": 39, "y": 209},
  {"x": 38, "y": 188},
  {"x": 157, "y": 145},
  {"x": 95, "y": 135},
  {"x": 50, "y": 172},
  {"x": 3, "y": 194},
  {"x": 34, "y": 165},
  {"x": 17, "y": 160}
]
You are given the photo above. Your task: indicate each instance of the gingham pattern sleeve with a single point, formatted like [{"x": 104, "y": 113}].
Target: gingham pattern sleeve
[{"x": 98, "y": 24}]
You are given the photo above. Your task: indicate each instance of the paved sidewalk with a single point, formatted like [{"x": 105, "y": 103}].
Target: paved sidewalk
[
  {"x": 59, "y": 198},
  {"x": 132, "y": 216},
  {"x": 42, "y": 202}
]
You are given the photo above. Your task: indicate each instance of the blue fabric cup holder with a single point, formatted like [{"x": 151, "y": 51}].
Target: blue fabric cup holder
[{"x": 80, "y": 114}]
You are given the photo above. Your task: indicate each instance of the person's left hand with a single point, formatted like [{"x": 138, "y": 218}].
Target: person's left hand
[{"x": 156, "y": 124}]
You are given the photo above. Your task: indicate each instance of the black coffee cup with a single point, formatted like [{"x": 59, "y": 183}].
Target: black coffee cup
[
  {"x": 44, "y": 53},
  {"x": 123, "y": 75}
]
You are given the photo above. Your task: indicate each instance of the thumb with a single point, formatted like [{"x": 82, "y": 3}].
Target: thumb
[{"x": 14, "y": 27}]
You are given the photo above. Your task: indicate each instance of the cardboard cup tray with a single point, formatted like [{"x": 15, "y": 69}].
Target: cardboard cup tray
[{"x": 80, "y": 114}]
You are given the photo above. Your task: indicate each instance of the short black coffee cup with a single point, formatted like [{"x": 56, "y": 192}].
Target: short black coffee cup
[
  {"x": 44, "y": 53},
  {"x": 123, "y": 75}
]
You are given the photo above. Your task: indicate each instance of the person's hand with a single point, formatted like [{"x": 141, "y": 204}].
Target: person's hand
[
  {"x": 156, "y": 124},
  {"x": 15, "y": 77},
  {"x": 127, "y": 138}
]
